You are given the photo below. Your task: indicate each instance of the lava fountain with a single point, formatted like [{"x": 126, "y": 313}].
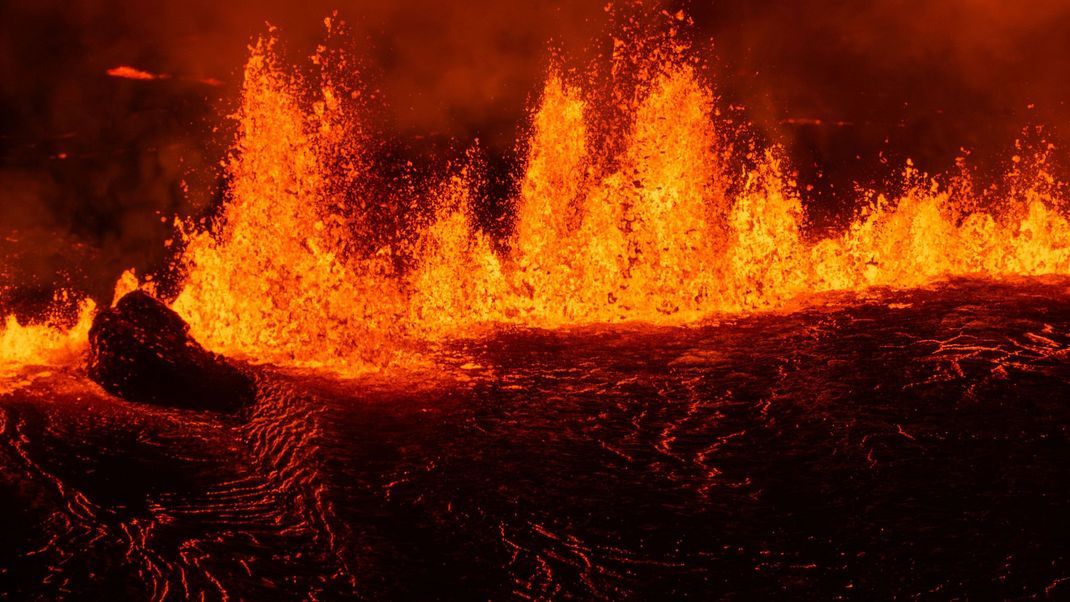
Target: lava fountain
[
  {"x": 677, "y": 227},
  {"x": 668, "y": 222}
]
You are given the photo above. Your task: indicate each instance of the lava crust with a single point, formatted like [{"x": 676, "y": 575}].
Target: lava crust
[{"x": 142, "y": 351}]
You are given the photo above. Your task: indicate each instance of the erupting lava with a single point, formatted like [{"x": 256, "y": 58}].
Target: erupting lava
[
  {"x": 662, "y": 221},
  {"x": 274, "y": 280},
  {"x": 47, "y": 343}
]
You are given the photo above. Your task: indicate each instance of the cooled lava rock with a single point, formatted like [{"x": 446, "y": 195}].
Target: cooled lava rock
[{"x": 142, "y": 351}]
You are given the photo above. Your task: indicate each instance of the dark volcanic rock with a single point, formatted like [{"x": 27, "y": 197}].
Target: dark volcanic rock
[{"x": 142, "y": 351}]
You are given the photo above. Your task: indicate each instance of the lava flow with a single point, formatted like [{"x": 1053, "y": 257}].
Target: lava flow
[{"x": 669, "y": 219}]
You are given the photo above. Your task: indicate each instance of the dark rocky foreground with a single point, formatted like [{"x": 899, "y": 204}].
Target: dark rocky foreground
[
  {"x": 142, "y": 351},
  {"x": 907, "y": 444}
]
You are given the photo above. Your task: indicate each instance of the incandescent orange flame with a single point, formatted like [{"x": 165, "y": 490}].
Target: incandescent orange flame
[
  {"x": 652, "y": 235},
  {"x": 43, "y": 344},
  {"x": 664, "y": 230},
  {"x": 271, "y": 282}
]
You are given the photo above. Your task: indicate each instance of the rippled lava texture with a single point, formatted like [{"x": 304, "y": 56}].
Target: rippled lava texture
[{"x": 901, "y": 443}]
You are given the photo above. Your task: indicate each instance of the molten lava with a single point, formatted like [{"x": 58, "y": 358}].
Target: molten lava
[
  {"x": 271, "y": 281},
  {"x": 128, "y": 72},
  {"x": 660, "y": 221},
  {"x": 47, "y": 343}
]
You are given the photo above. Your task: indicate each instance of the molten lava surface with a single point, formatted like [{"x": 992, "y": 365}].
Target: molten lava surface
[{"x": 887, "y": 443}]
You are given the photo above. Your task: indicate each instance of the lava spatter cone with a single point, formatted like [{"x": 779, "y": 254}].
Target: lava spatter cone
[{"x": 142, "y": 351}]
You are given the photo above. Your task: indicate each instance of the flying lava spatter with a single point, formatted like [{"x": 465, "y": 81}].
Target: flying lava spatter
[{"x": 662, "y": 221}]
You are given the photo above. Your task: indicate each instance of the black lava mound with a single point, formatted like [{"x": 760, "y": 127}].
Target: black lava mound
[{"x": 142, "y": 351}]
